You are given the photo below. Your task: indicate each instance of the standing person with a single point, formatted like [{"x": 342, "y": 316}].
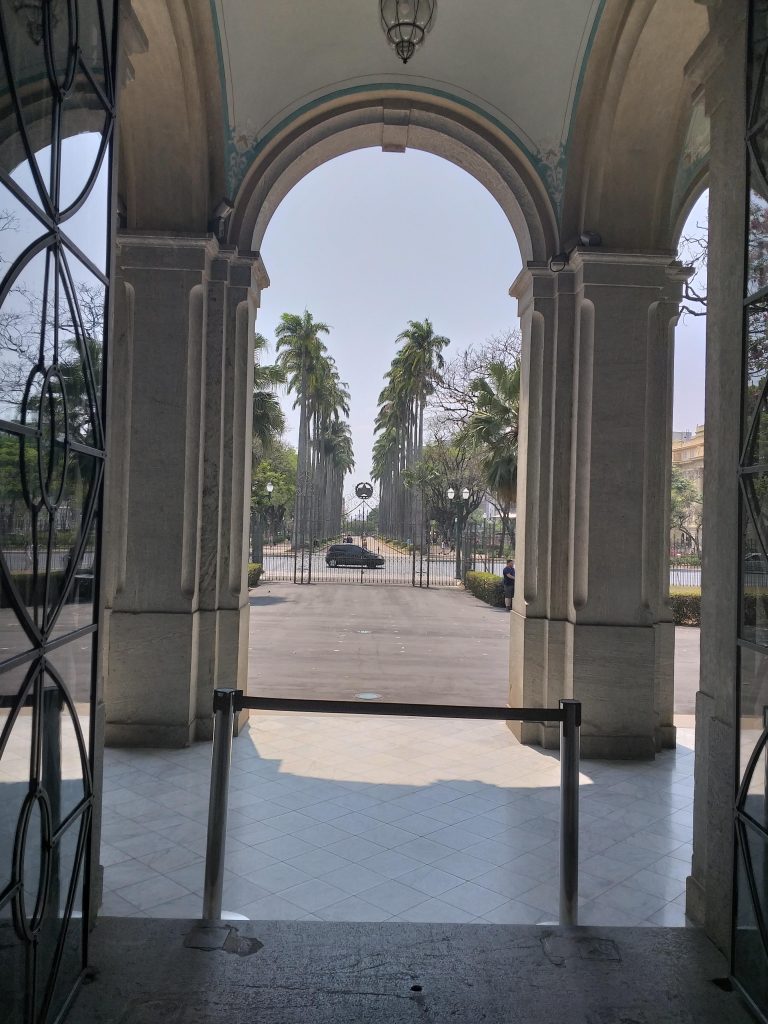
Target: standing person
[{"x": 508, "y": 582}]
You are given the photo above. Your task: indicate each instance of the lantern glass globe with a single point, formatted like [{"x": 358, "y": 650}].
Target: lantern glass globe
[
  {"x": 451, "y": 494},
  {"x": 465, "y": 494}
]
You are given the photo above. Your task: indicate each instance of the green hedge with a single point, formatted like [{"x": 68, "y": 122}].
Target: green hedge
[
  {"x": 487, "y": 586},
  {"x": 686, "y": 605},
  {"x": 255, "y": 572},
  {"x": 32, "y": 591}
]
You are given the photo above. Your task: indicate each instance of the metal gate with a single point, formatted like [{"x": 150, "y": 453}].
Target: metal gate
[
  {"x": 57, "y": 92},
  {"x": 360, "y": 553}
]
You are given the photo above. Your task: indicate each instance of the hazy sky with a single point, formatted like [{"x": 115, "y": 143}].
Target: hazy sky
[{"x": 371, "y": 240}]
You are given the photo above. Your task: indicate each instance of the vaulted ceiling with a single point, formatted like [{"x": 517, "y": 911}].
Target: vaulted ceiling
[{"x": 518, "y": 61}]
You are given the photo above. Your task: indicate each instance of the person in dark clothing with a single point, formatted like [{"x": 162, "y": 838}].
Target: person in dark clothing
[{"x": 508, "y": 582}]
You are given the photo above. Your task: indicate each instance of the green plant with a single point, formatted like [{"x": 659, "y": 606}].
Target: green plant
[
  {"x": 686, "y": 605},
  {"x": 255, "y": 572},
  {"x": 755, "y": 606},
  {"x": 486, "y": 586}
]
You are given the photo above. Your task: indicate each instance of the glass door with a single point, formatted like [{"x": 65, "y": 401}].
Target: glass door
[
  {"x": 750, "y": 945},
  {"x": 57, "y": 90}
]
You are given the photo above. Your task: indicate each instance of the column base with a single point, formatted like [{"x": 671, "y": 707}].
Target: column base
[
  {"x": 144, "y": 734},
  {"x": 151, "y": 687},
  {"x": 612, "y": 670}
]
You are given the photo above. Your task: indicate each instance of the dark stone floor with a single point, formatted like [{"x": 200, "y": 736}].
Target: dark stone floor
[{"x": 155, "y": 972}]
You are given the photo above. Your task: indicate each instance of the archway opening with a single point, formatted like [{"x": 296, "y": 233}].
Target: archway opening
[
  {"x": 369, "y": 244},
  {"x": 686, "y": 537}
]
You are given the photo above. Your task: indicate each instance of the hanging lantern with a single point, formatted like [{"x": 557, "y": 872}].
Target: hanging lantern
[{"x": 406, "y": 22}]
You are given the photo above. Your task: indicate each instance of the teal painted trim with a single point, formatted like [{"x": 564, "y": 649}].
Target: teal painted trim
[
  {"x": 551, "y": 167},
  {"x": 583, "y": 71},
  {"x": 239, "y": 161}
]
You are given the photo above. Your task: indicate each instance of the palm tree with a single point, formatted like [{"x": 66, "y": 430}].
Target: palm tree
[
  {"x": 494, "y": 428},
  {"x": 422, "y": 361},
  {"x": 268, "y": 417},
  {"x": 299, "y": 348},
  {"x": 410, "y": 380}
]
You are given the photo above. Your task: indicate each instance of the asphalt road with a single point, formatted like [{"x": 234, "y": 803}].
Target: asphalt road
[{"x": 334, "y": 641}]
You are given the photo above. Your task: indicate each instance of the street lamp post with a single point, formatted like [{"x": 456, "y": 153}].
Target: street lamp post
[
  {"x": 258, "y": 517},
  {"x": 458, "y": 517},
  {"x": 270, "y": 488}
]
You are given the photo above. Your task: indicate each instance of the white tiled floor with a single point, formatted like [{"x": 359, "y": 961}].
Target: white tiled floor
[{"x": 350, "y": 819}]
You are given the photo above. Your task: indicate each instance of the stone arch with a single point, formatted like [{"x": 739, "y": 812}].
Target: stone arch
[
  {"x": 687, "y": 203},
  {"x": 395, "y": 121},
  {"x": 170, "y": 174},
  {"x": 630, "y": 126}
]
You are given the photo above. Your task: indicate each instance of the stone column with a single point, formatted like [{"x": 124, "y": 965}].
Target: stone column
[
  {"x": 718, "y": 68},
  {"x": 179, "y": 441},
  {"x": 532, "y": 630},
  {"x": 598, "y": 346},
  {"x": 224, "y": 607}
]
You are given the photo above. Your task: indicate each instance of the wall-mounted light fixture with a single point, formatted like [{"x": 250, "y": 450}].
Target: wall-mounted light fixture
[
  {"x": 406, "y": 23},
  {"x": 586, "y": 240}
]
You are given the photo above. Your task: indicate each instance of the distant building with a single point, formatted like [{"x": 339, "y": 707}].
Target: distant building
[{"x": 688, "y": 457}]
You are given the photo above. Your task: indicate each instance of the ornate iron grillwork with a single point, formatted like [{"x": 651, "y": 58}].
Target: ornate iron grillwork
[
  {"x": 750, "y": 942},
  {"x": 57, "y": 101}
]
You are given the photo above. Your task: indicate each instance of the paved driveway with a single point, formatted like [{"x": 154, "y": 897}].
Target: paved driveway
[
  {"x": 335, "y": 640},
  {"x": 436, "y": 646}
]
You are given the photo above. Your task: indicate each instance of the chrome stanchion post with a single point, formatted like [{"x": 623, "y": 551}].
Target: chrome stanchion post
[
  {"x": 223, "y": 724},
  {"x": 570, "y": 731}
]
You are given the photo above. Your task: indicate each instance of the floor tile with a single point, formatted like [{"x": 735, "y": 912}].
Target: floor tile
[
  {"x": 152, "y": 891},
  {"x": 238, "y": 891},
  {"x": 318, "y": 862},
  {"x": 285, "y": 847},
  {"x": 355, "y": 848},
  {"x": 430, "y": 880},
  {"x": 424, "y": 849},
  {"x": 353, "y": 908},
  {"x": 393, "y": 897},
  {"x": 506, "y": 881},
  {"x": 322, "y": 834},
  {"x": 473, "y": 898},
  {"x": 463, "y": 864},
  {"x": 513, "y": 912},
  {"x": 314, "y": 894},
  {"x": 673, "y": 868},
  {"x": 632, "y": 901},
  {"x": 278, "y": 876},
  {"x": 273, "y": 908},
  {"x": 127, "y": 872},
  {"x": 657, "y": 885},
  {"x": 353, "y": 878},
  {"x": 437, "y": 911}
]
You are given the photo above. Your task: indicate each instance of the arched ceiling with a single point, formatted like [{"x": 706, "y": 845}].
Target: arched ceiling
[{"x": 518, "y": 62}]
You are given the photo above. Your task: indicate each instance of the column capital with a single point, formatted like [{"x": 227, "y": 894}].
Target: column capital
[
  {"x": 138, "y": 250},
  {"x": 535, "y": 281},
  {"x": 607, "y": 268}
]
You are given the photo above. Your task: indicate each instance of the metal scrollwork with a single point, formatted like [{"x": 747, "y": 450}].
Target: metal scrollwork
[{"x": 57, "y": 105}]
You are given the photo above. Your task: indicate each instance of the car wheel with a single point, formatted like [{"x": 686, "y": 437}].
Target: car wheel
[{"x": 332, "y": 563}]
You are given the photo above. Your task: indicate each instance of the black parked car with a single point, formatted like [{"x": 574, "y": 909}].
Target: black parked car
[{"x": 352, "y": 554}]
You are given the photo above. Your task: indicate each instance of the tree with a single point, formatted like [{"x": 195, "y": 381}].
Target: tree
[
  {"x": 455, "y": 400},
  {"x": 325, "y": 449},
  {"x": 685, "y": 508},
  {"x": 448, "y": 461},
  {"x": 493, "y": 427},
  {"x": 410, "y": 381},
  {"x": 279, "y": 469},
  {"x": 299, "y": 347},
  {"x": 268, "y": 417}
]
